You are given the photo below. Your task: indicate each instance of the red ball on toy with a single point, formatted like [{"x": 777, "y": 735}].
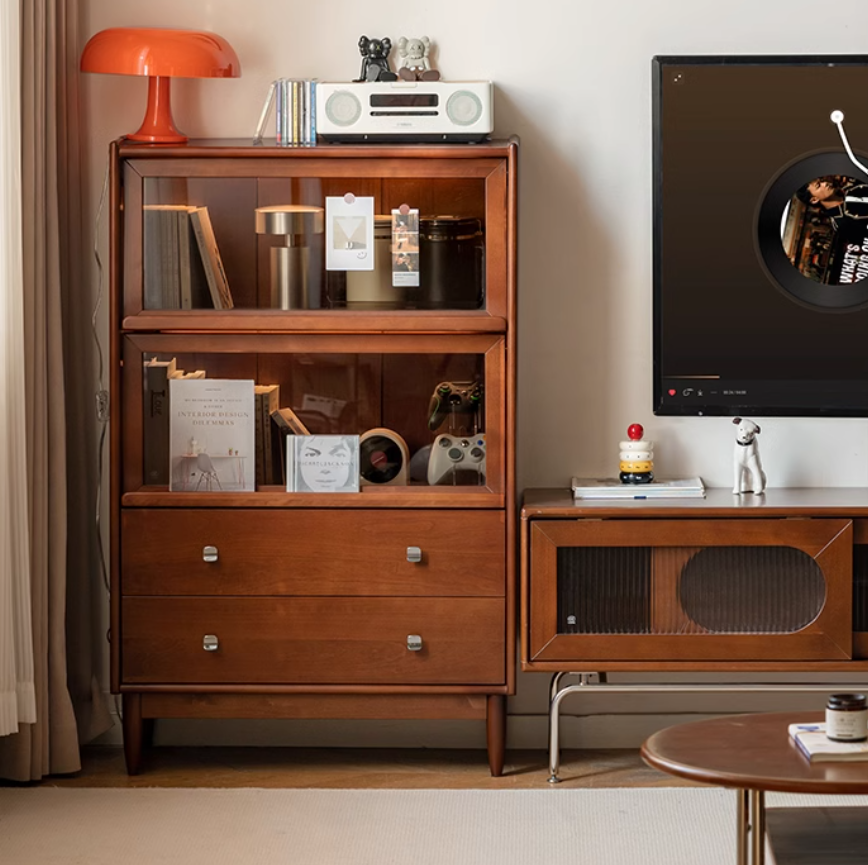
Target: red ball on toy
[{"x": 635, "y": 431}]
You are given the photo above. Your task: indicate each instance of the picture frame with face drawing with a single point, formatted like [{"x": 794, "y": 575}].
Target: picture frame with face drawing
[
  {"x": 349, "y": 224},
  {"x": 322, "y": 464}
]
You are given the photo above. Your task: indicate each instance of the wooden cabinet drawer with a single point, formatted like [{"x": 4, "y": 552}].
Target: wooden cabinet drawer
[
  {"x": 347, "y": 641},
  {"x": 313, "y": 552}
]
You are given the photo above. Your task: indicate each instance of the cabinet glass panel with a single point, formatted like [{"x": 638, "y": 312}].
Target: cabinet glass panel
[
  {"x": 714, "y": 590},
  {"x": 428, "y": 419},
  {"x": 268, "y": 242}
]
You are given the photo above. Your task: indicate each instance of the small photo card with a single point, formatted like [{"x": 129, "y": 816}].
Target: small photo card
[
  {"x": 405, "y": 247},
  {"x": 322, "y": 464},
  {"x": 349, "y": 233}
]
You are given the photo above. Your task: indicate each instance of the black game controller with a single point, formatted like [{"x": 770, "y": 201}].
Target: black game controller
[{"x": 453, "y": 397}]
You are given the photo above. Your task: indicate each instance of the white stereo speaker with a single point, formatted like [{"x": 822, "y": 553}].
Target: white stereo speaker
[
  {"x": 383, "y": 458},
  {"x": 405, "y": 110}
]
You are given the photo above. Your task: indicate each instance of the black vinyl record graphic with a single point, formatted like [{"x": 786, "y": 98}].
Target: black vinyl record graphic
[
  {"x": 381, "y": 459},
  {"x": 770, "y": 249}
]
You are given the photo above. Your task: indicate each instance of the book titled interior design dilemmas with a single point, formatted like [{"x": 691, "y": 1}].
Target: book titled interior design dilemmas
[{"x": 212, "y": 435}]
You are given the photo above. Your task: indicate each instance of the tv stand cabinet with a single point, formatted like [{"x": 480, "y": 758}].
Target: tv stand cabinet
[{"x": 774, "y": 583}]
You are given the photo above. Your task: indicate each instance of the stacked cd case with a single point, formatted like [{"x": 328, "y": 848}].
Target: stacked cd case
[{"x": 294, "y": 101}]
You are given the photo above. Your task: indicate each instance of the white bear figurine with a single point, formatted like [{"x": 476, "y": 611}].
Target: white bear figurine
[
  {"x": 747, "y": 466},
  {"x": 413, "y": 53}
]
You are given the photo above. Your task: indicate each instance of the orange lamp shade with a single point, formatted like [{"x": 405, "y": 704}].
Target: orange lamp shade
[{"x": 161, "y": 54}]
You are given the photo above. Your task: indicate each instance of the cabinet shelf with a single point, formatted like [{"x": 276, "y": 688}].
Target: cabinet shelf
[
  {"x": 314, "y": 321},
  {"x": 274, "y": 497}
]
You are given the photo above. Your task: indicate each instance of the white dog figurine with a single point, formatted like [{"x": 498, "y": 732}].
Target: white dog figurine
[{"x": 747, "y": 466}]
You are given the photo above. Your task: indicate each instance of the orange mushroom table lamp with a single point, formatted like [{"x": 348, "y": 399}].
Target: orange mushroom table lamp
[{"x": 160, "y": 54}]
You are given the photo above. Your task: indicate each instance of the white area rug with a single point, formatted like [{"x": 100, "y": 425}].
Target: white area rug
[{"x": 651, "y": 826}]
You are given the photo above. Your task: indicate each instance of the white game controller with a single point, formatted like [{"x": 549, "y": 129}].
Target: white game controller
[{"x": 452, "y": 454}]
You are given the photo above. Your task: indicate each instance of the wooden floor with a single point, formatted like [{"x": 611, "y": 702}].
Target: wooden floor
[{"x": 359, "y": 768}]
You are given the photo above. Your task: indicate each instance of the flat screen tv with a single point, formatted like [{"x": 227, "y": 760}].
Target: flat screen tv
[{"x": 760, "y": 236}]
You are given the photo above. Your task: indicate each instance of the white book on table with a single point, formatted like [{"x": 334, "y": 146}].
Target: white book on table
[
  {"x": 812, "y": 741},
  {"x": 612, "y": 488}
]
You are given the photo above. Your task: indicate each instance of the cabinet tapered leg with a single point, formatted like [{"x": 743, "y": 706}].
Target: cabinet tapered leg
[
  {"x": 133, "y": 732},
  {"x": 496, "y": 733}
]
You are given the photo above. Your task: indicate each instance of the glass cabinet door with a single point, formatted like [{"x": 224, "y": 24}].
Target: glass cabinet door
[
  {"x": 429, "y": 411},
  {"x": 707, "y": 590},
  {"x": 263, "y": 234}
]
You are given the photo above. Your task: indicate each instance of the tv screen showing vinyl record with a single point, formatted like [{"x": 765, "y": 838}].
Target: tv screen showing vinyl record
[{"x": 760, "y": 235}]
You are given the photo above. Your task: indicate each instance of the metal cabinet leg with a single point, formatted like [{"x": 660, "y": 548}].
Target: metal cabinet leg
[
  {"x": 743, "y": 828},
  {"x": 556, "y": 694},
  {"x": 554, "y": 748},
  {"x": 758, "y": 826}
]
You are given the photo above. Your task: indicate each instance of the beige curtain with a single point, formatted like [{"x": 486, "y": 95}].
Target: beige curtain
[
  {"x": 17, "y": 691},
  {"x": 52, "y": 253}
]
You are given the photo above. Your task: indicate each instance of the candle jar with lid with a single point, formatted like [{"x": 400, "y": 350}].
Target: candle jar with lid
[{"x": 847, "y": 718}]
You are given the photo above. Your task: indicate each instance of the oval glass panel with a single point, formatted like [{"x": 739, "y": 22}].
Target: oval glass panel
[{"x": 752, "y": 590}]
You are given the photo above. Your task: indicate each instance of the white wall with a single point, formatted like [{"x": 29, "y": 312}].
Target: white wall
[{"x": 573, "y": 81}]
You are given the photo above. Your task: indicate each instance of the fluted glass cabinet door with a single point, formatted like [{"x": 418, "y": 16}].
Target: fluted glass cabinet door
[{"x": 709, "y": 590}]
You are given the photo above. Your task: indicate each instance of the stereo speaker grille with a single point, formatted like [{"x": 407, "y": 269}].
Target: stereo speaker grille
[
  {"x": 463, "y": 108},
  {"x": 343, "y": 108}
]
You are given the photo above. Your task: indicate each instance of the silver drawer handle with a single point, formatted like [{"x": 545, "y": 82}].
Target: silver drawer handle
[
  {"x": 209, "y": 554},
  {"x": 414, "y": 642},
  {"x": 414, "y": 555},
  {"x": 210, "y": 643}
]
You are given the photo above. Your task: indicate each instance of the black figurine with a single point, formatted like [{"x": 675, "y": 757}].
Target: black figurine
[{"x": 375, "y": 59}]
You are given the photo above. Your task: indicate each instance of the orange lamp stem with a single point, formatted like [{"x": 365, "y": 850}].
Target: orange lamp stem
[{"x": 158, "y": 126}]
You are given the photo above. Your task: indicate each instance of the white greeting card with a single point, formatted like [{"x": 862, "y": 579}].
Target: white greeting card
[{"x": 349, "y": 233}]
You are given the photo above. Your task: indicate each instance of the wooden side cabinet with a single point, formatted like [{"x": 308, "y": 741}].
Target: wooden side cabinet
[
  {"x": 396, "y": 602},
  {"x": 727, "y": 583}
]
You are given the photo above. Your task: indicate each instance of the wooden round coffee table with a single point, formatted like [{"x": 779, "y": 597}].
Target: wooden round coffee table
[{"x": 753, "y": 754}]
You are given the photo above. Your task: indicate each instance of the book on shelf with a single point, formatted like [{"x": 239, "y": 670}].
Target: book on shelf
[
  {"x": 155, "y": 445},
  {"x": 211, "y": 435},
  {"x": 173, "y": 271},
  {"x": 266, "y": 400},
  {"x": 612, "y": 488},
  {"x": 155, "y": 425},
  {"x": 812, "y": 741},
  {"x": 284, "y": 422},
  {"x": 215, "y": 274},
  {"x": 322, "y": 464},
  {"x": 194, "y": 288},
  {"x": 161, "y": 274}
]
